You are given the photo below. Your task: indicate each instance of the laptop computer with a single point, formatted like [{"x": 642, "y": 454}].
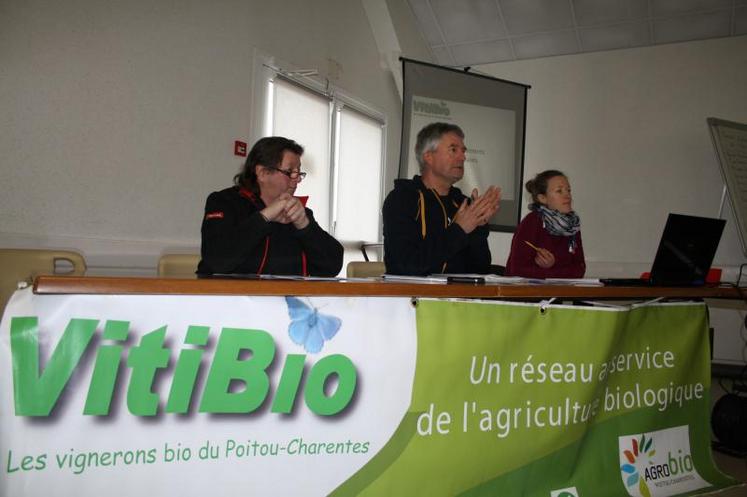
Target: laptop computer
[{"x": 685, "y": 253}]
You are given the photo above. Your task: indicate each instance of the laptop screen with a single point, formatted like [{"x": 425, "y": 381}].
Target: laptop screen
[{"x": 686, "y": 250}]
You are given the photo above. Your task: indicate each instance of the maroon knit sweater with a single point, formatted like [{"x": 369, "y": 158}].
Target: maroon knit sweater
[{"x": 521, "y": 260}]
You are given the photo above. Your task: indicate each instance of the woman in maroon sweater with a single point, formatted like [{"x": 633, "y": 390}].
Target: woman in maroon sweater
[{"x": 547, "y": 242}]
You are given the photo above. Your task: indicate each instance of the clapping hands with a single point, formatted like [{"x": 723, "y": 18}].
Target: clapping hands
[{"x": 480, "y": 210}]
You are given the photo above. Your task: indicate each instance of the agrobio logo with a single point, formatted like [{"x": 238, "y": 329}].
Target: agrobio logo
[
  {"x": 640, "y": 449},
  {"x": 658, "y": 463}
]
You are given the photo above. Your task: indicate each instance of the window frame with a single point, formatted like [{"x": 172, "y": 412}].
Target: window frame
[{"x": 266, "y": 70}]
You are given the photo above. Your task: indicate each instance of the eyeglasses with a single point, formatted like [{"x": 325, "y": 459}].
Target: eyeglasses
[{"x": 292, "y": 174}]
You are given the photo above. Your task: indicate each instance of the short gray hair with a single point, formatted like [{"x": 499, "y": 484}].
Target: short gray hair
[{"x": 430, "y": 136}]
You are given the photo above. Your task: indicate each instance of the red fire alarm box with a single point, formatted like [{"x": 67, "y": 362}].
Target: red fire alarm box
[{"x": 239, "y": 148}]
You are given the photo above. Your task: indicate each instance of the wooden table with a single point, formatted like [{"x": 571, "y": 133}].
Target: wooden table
[{"x": 231, "y": 286}]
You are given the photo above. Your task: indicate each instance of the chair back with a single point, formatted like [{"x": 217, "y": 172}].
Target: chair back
[
  {"x": 365, "y": 269},
  {"x": 376, "y": 248},
  {"x": 178, "y": 265},
  {"x": 17, "y": 265}
]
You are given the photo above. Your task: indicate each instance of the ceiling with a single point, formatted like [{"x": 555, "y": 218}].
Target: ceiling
[{"x": 470, "y": 32}]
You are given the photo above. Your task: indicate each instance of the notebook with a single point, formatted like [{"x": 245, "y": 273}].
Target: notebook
[{"x": 685, "y": 253}]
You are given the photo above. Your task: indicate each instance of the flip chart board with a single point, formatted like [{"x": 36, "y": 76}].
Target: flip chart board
[{"x": 730, "y": 142}]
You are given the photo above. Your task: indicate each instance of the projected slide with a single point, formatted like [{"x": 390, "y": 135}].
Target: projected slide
[
  {"x": 492, "y": 114},
  {"x": 490, "y": 137}
]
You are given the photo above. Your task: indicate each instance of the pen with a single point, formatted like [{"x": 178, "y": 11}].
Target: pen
[
  {"x": 473, "y": 280},
  {"x": 532, "y": 245}
]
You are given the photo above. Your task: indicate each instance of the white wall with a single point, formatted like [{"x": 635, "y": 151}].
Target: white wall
[
  {"x": 118, "y": 118},
  {"x": 629, "y": 128}
]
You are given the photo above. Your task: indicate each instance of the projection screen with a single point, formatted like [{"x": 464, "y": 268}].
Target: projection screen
[{"x": 492, "y": 114}]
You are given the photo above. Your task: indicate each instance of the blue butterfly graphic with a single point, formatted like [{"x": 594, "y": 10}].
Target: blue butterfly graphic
[{"x": 308, "y": 326}]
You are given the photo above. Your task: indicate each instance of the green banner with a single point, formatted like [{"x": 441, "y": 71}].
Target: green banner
[{"x": 552, "y": 401}]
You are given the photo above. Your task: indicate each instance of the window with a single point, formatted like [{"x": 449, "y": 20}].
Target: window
[
  {"x": 304, "y": 117},
  {"x": 359, "y": 176},
  {"x": 344, "y": 142}
]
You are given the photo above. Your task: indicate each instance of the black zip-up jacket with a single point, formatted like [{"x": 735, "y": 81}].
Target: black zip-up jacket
[
  {"x": 420, "y": 238},
  {"x": 237, "y": 239}
]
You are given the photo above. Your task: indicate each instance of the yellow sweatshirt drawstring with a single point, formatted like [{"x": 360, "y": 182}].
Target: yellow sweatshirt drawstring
[
  {"x": 421, "y": 212},
  {"x": 443, "y": 209},
  {"x": 446, "y": 220}
]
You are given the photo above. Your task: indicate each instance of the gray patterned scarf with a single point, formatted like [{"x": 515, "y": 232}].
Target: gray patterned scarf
[{"x": 557, "y": 223}]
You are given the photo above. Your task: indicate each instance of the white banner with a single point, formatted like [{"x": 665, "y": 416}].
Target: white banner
[
  {"x": 362, "y": 396},
  {"x": 197, "y": 395}
]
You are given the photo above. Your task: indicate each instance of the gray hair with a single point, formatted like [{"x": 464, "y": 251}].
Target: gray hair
[{"x": 430, "y": 136}]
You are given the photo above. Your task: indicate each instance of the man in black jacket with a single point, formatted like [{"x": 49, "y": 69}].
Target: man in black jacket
[
  {"x": 257, "y": 226},
  {"x": 429, "y": 225}
]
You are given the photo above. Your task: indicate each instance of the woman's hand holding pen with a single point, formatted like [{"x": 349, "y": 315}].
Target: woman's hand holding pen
[{"x": 544, "y": 258}]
